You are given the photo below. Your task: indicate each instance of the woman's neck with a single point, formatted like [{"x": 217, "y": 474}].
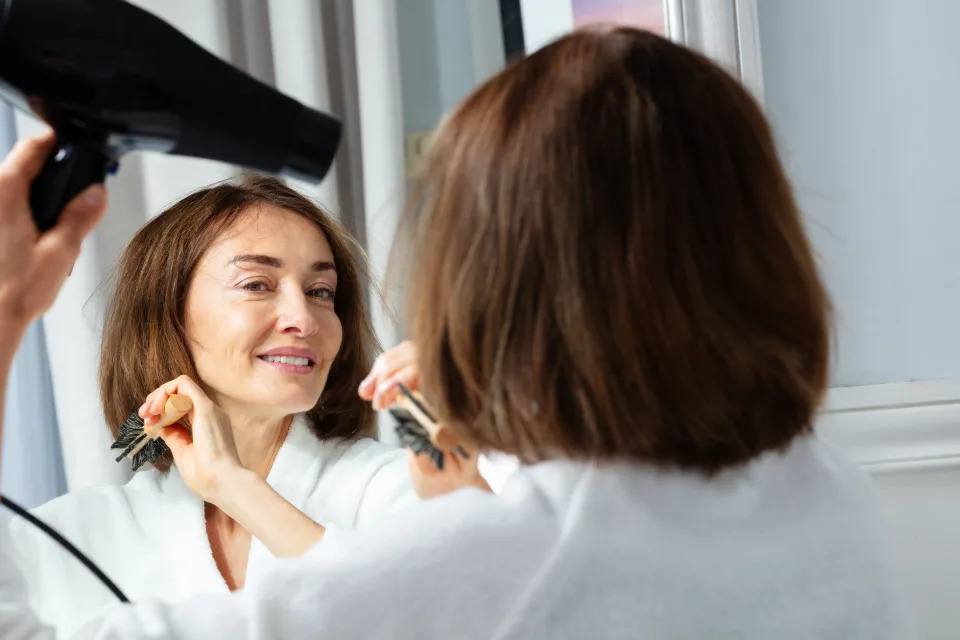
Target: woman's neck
[{"x": 258, "y": 439}]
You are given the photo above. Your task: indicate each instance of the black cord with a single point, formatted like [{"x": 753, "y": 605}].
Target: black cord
[{"x": 63, "y": 542}]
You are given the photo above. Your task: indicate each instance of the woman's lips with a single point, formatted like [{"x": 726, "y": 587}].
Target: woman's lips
[{"x": 288, "y": 364}]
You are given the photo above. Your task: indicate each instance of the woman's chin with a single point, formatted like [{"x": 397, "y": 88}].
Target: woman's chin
[{"x": 283, "y": 401}]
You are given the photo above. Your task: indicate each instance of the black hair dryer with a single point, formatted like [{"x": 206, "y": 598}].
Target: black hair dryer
[{"x": 110, "y": 78}]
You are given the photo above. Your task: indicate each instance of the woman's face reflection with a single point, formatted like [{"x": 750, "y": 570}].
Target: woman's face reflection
[{"x": 260, "y": 314}]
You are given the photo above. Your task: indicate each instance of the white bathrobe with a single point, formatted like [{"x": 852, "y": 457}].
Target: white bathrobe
[
  {"x": 149, "y": 536},
  {"x": 789, "y": 546}
]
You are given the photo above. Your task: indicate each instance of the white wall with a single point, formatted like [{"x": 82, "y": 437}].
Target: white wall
[
  {"x": 864, "y": 99},
  {"x": 922, "y": 509},
  {"x": 864, "y": 96}
]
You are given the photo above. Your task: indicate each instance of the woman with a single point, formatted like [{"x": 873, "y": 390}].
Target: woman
[
  {"x": 613, "y": 284},
  {"x": 253, "y": 292}
]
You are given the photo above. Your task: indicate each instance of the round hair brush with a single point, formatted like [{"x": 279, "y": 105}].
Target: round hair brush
[
  {"x": 416, "y": 426},
  {"x": 144, "y": 444}
]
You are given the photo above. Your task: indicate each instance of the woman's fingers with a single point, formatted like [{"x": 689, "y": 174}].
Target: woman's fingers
[
  {"x": 152, "y": 408},
  {"x": 177, "y": 438},
  {"x": 146, "y": 409},
  {"x": 75, "y": 223},
  {"x": 386, "y": 366},
  {"x": 27, "y": 157},
  {"x": 409, "y": 376},
  {"x": 387, "y": 389}
]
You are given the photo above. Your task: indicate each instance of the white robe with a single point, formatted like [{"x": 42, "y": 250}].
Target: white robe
[
  {"x": 789, "y": 546},
  {"x": 149, "y": 536}
]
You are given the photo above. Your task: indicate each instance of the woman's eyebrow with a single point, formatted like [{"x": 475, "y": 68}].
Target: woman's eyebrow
[
  {"x": 267, "y": 261},
  {"x": 270, "y": 261}
]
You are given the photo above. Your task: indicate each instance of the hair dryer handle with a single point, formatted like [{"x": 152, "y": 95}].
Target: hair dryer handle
[{"x": 69, "y": 169}]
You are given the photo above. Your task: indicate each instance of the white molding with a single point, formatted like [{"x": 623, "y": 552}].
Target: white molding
[
  {"x": 673, "y": 20},
  {"x": 726, "y": 30},
  {"x": 887, "y": 396},
  {"x": 748, "y": 39},
  {"x": 895, "y": 428}
]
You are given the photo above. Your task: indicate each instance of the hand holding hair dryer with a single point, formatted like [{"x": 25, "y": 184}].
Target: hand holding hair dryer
[{"x": 111, "y": 78}]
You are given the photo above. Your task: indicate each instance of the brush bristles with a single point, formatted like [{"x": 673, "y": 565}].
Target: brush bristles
[
  {"x": 151, "y": 452},
  {"x": 414, "y": 436},
  {"x": 129, "y": 432}
]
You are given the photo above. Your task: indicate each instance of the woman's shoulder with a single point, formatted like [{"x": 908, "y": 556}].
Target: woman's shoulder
[
  {"x": 92, "y": 518},
  {"x": 339, "y": 481},
  {"x": 73, "y": 514},
  {"x": 466, "y": 540},
  {"x": 372, "y": 477},
  {"x": 100, "y": 498}
]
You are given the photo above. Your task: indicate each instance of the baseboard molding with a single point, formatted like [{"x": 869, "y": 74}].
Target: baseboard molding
[{"x": 895, "y": 428}]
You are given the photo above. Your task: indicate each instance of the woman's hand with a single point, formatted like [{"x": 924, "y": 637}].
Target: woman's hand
[
  {"x": 207, "y": 459},
  {"x": 206, "y": 454},
  {"x": 33, "y": 266},
  {"x": 392, "y": 366},
  {"x": 399, "y": 365}
]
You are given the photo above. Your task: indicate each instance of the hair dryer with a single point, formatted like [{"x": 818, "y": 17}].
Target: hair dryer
[{"x": 110, "y": 78}]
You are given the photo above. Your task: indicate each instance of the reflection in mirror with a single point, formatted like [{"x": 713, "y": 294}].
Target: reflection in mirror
[
  {"x": 448, "y": 48},
  {"x": 247, "y": 298}
]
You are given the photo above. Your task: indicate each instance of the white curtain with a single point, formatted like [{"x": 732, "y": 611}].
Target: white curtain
[
  {"x": 336, "y": 56},
  {"x": 32, "y": 471},
  {"x": 32, "y": 467}
]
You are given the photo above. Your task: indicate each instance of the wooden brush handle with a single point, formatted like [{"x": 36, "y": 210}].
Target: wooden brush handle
[
  {"x": 175, "y": 408},
  {"x": 404, "y": 403}
]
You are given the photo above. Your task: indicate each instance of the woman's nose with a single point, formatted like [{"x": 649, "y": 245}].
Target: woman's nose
[{"x": 295, "y": 315}]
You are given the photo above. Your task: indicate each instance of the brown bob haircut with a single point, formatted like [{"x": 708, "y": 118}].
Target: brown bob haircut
[
  {"x": 144, "y": 339},
  {"x": 611, "y": 264}
]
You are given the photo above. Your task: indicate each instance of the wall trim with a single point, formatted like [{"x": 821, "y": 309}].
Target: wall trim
[
  {"x": 895, "y": 428},
  {"x": 726, "y": 30}
]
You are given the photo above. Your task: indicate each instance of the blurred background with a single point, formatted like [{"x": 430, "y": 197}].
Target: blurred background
[{"x": 863, "y": 98}]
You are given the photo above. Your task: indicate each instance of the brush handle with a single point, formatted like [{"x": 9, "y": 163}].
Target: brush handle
[
  {"x": 413, "y": 405},
  {"x": 174, "y": 409}
]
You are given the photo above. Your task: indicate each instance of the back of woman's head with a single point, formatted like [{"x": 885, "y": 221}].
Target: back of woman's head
[
  {"x": 612, "y": 264},
  {"x": 145, "y": 341}
]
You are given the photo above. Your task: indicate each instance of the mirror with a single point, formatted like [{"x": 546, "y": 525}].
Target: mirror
[{"x": 863, "y": 111}]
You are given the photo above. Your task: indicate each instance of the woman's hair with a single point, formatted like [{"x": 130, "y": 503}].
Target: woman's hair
[
  {"x": 611, "y": 264},
  {"x": 145, "y": 342}
]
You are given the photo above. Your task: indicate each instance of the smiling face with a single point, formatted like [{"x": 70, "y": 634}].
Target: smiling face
[{"x": 260, "y": 317}]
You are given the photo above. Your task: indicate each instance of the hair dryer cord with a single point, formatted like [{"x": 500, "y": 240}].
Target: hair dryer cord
[{"x": 63, "y": 542}]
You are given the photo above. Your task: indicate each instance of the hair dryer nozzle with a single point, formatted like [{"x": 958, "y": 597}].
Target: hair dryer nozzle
[{"x": 317, "y": 138}]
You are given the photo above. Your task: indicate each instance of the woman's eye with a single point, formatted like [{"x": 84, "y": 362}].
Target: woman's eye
[
  {"x": 322, "y": 293},
  {"x": 256, "y": 285}
]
